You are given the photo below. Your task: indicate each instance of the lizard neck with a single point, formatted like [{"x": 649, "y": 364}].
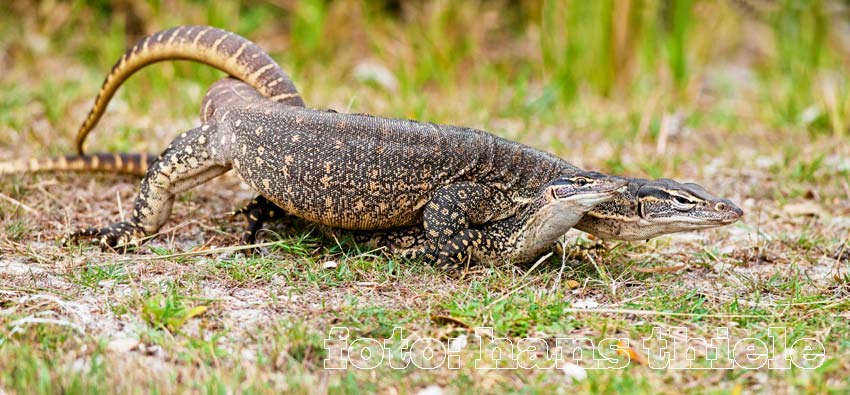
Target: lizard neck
[{"x": 541, "y": 224}]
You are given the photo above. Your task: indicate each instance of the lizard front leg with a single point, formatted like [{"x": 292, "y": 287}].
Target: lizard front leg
[
  {"x": 187, "y": 162},
  {"x": 447, "y": 220}
]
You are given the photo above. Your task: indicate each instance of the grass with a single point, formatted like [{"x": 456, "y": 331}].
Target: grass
[{"x": 748, "y": 98}]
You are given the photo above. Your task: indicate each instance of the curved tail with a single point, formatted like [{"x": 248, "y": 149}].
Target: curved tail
[
  {"x": 131, "y": 164},
  {"x": 214, "y": 47}
]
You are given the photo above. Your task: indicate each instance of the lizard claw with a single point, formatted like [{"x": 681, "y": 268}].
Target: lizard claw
[
  {"x": 122, "y": 236},
  {"x": 256, "y": 212},
  {"x": 449, "y": 265},
  {"x": 443, "y": 261},
  {"x": 243, "y": 210}
]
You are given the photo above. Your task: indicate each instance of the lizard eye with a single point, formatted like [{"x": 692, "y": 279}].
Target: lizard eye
[
  {"x": 681, "y": 200},
  {"x": 581, "y": 182},
  {"x": 682, "y": 204}
]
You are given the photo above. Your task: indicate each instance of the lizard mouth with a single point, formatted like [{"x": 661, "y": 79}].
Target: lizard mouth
[
  {"x": 699, "y": 222},
  {"x": 591, "y": 199}
]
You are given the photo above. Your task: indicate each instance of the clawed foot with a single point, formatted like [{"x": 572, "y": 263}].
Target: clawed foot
[
  {"x": 441, "y": 261},
  {"x": 569, "y": 249},
  {"x": 121, "y": 237},
  {"x": 449, "y": 265},
  {"x": 256, "y": 212}
]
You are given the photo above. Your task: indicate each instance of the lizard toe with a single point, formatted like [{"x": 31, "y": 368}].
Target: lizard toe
[
  {"x": 448, "y": 266},
  {"x": 120, "y": 237},
  {"x": 256, "y": 213}
]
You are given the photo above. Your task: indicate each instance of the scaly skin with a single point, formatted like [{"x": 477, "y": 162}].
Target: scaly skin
[
  {"x": 220, "y": 49},
  {"x": 517, "y": 239},
  {"x": 649, "y": 209},
  {"x": 645, "y": 209},
  {"x": 354, "y": 172},
  {"x": 242, "y": 59}
]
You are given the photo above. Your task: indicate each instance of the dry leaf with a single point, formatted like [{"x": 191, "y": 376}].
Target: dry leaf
[
  {"x": 623, "y": 348},
  {"x": 446, "y": 320},
  {"x": 807, "y": 208}
]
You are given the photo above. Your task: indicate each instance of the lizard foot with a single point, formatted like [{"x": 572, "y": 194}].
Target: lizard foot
[
  {"x": 449, "y": 265},
  {"x": 441, "y": 260},
  {"x": 256, "y": 212},
  {"x": 455, "y": 255},
  {"x": 121, "y": 237}
]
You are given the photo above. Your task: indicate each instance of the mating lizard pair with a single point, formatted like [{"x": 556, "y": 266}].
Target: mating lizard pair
[{"x": 448, "y": 193}]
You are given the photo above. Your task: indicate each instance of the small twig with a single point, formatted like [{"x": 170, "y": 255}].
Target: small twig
[
  {"x": 120, "y": 208},
  {"x": 840, "y": 255},
  {"x": 833, "y": 305},
  {"x": 563, "y": 264},
  {"x": 662, "y": 269},
  {"x": 18, "y": 204},
  {"x": 535, "y": 265},
  {"x": 655, "y": 312},
  {"x": 505, "y": 296},
  {"x": 605, "y": 278}
]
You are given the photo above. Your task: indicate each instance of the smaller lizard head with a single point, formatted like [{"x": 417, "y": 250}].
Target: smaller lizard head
[
  {"x": 687, "y": 205},
  {"x": 585, "y": 188},
  {"x": 653, "y": 208}
]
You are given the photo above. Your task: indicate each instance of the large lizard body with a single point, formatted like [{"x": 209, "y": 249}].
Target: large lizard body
[
  {"x": 345, "y": 171},
  {"x": 356, "y": 171},
  {"x": 473, "y": 194}
]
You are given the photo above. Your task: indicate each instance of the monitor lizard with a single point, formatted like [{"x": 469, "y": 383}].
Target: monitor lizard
[
  {"x": 246, "y": 61},
  {"x": 349, "y": 171}
]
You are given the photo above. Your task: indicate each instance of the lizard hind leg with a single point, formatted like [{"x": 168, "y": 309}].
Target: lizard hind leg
[
  {"x": 187, "y": 162},
  {"x": 257, "y": 212}
]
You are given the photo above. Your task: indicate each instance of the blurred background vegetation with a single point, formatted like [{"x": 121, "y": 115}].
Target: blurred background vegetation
[{"x": 616, "y": 66}]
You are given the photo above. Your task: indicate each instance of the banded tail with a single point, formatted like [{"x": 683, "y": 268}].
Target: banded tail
[
  {"x": 223, "y": 50},
  {"x": 131, "y": 164}
]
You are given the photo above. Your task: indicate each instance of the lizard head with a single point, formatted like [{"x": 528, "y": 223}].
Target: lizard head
[
  {"x": 652, "y": 208},
  {"x": 584, "y": 189},
  {"x": 561, "y": 203},
  {"x": 687, "y": 205}
]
